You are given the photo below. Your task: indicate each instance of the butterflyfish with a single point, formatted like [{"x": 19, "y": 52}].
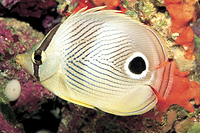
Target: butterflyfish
[{"x": 102, "y": 60}]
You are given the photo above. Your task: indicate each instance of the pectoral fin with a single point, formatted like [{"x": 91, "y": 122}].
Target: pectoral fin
[{"x": 168, "y": 61}]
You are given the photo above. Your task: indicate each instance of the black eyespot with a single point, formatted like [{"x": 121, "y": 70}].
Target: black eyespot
[
  {"x": 137, "y": 65},
  {"x": 38, "y": 57}
]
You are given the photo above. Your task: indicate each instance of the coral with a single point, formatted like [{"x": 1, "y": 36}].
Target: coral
[
  {"x": 184, "y": 125},
  {"x": 150, "y": 14},
  {"x": 196, "y": 28},
  {"x": 9, "y": 3},
  {"x": 33, "y": 8},
  {"x": 161, "y": 23},
  {"x": 70, "y": 119},
  {"x": 49, "y": 22},
  {"x": 16, "y": 37},
  {"x": 7, "y": 127},
  {"x": 182, "y": 13},
  {"x": 171, "y": 117},
  {"x": 33, "y": 94},
  {"x": 5, "y": 37},
  {"x": 13, "y": 90},
  {"x": 110, "y": 4},
  {"x": 33, "y": 11},
  {"x": 197, "y": 75},
  {"x": 80, "y": 119},
  {"x": 194, "y": 129}
]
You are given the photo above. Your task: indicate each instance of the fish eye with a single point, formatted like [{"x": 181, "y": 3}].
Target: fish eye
[
  {"x": 39, "y": 57},
  {"x": 137, "y": 65}
]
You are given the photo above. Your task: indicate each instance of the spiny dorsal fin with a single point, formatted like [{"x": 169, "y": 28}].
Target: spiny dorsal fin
[{"x": 83, "y": 11}]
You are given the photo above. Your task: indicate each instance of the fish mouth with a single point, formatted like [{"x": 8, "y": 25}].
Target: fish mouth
[
  {"x": 18, "y": 58},
  {"x": 25, "y": 61},
  {"x": 21, "y": 59}
]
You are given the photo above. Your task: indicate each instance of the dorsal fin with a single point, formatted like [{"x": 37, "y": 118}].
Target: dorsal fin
[{"x": 83, "y": 11}]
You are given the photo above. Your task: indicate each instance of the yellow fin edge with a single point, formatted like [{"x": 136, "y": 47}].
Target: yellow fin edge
[{"x": 77, "y": 102}]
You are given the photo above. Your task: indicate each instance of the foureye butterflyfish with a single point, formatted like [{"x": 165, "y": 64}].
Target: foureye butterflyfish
[{"x": 102, "y": 59}]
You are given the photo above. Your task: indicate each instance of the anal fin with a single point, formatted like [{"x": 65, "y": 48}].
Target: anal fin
[{"x": 76, "y": 102}]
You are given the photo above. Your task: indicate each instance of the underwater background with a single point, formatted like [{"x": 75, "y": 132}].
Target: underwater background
[{"x": 24, "y": 23}]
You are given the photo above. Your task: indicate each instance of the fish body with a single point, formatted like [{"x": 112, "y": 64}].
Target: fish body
[{"x": 102, "y": 59}]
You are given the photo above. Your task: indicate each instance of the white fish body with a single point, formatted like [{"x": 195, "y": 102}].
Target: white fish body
[{"x": 101, "y": 59}]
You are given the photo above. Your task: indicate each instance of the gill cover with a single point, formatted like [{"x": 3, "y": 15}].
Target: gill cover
[
  {"x": 39, "y": 58},
  {"x": 100, "y": 59}
]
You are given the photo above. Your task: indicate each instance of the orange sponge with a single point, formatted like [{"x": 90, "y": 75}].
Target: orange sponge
[{"x": 182, "y": 13}]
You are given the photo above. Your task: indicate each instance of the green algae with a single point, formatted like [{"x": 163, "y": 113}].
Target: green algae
[
  {"x": 196, "y": 74},
  {"x": 195, "y": 128}
]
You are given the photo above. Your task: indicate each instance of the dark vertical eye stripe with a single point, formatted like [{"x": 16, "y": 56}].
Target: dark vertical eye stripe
[
  {"x": 36, "y": 70},
  {"x": 47, "y": 40},
  {"x": 43, "y": 47},
  {"x": 38, "y": 52}
]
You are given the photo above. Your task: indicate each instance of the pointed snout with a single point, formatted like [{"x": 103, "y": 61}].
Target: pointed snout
[
  {"x": 18, "y": 58},
  {"x": 25, "y": 61}
]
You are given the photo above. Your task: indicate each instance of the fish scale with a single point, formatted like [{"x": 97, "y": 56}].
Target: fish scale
[
  {"x": 83, "y": 48},
  {"x": 104, "y": 60}
]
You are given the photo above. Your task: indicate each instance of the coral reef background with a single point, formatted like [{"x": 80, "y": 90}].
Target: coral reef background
[{"x": 24, "y": 23}]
